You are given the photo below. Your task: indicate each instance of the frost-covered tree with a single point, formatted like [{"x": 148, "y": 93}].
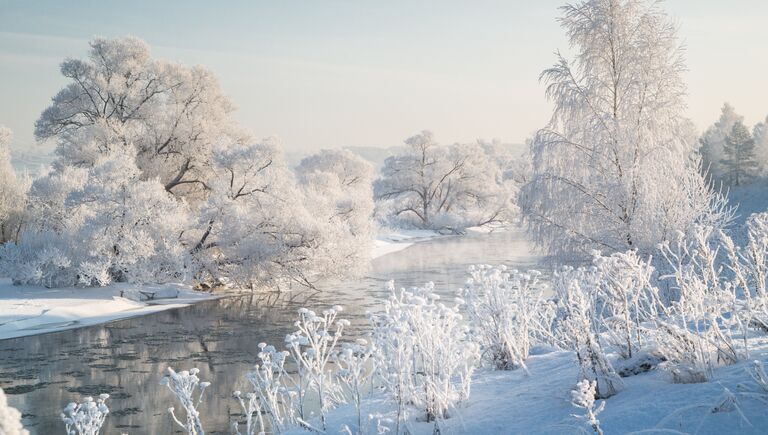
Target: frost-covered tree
[
  {"x": 612, "y": 169},
  {"x": 738, "y": 160},
  {"x": 98, "y": 225},
  {"x": 337, "y": 187},
  {"x": 712, "y": 142},
  {"x": 443, "y": 187},
  {"x": 252, "y": 220},
  {"x": 760, "y": 135},
  {"x": 253, "y": 227},
  {"x": 172, "y": 117},
  {"x": 12, "y": 191}
]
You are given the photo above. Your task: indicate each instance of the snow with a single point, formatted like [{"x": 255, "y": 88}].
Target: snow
[
  {"x": 749, "y": 198},
  {"x": 29, "y": 310},
  {"x": 389, "y": 241},
  {"x": 512, "y": 402}
]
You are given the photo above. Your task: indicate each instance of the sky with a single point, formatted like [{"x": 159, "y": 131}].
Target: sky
[{"x": 338, "y": 73}]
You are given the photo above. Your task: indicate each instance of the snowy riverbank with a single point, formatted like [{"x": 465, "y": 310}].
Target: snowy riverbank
[
  {"x": 391, "y": 240},
  {"x": 512, "y": 402},
  {"x": 29, "y": 310}
]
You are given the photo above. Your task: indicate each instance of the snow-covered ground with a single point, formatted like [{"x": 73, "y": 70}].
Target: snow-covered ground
[
  {"x": 393, "y": 240},
  {"x": 27, "y": 310},
  {"x": 749, "y": 198},
  {"x": 511, "y": 402}
]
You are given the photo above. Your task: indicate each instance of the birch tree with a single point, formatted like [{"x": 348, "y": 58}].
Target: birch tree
[{"x": 612, "y": 169}]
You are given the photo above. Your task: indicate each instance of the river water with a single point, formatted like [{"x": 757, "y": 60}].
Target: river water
[{"x": 41, "y": 374}]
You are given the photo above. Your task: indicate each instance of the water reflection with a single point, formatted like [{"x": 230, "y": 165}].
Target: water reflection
[{"x": 126, "y": 359}]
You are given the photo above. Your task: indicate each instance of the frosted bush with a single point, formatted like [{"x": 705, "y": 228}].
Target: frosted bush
[
  {"x": 86, "y": 418},
  {"x": 749, "y": 266},
  {"x": 424, "y": 357},
  {"x": 183, "y": 385},
  {"x": 696, "y": 331},
  {"x": 579, "y": 328},
  {"x": 312, "y": 346},
  {"x": 625, "y": 299},
  {"x": 508, "y": 313},
  {"x": 583, "y": 396},
  {"x": 10, "y": 418}
]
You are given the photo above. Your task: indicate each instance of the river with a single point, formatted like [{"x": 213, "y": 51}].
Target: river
[{"x": 41, "y": 374}]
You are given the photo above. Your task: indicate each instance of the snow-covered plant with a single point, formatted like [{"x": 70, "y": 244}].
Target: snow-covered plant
[
  {"x": 749, "y": 266},
  {"x": 507, "y": 311},
  {"x": 312, "y": 346},
  {"x": 612, "y": 169},
  {"x": 625, "y": 299},
  {"x": 86, "y": 418},
  {"x": 10, "y": 418},
  {"x": 583, "y": 396},
  {"x": 270, "y": 395},
  {"x": 579, "y": 327},
  {"x": 423, "y": 353},
  {"x": 251, "y": 406},
  {"x": 696, "y": 331},
  {"x": 355, "y": 369},
  {"x": 183, "y": 385}
]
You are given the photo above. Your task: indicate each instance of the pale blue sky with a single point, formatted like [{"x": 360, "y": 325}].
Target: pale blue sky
[{"x": 334, "y": 73}]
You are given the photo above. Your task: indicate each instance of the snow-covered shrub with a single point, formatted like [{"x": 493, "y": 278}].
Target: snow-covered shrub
[
  {"x": 507, "y": 311},
  {"x": 583, "y": 396},
  {"x": 94, "y": 226},
  {"x": 10, "y": 418},
  {"x": 749, "y": 266},
  {"x": 625, "y": 299},
  {"x": 423, "y": 354},
  {"x": 312, "y": 346},
  {"x": 183, "y": 385},
  {"x": 696, "y": 332},
  {"x": 355, "y": 368},
  {"x": 86, "y": 418},
  {"x": 579, "y": 327}
]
